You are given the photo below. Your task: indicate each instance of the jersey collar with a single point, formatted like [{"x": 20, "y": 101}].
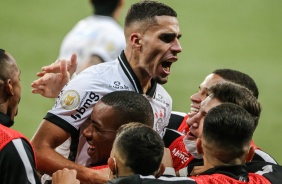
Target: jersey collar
[
  {"x": 6, "y": 120},
  {"x": 133, "y": 78},
  {"x": 237, "y": 172}
]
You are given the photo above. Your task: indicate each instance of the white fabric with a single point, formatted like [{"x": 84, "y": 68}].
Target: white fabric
[
  {"x": 94, "y": 35},
  {"x": 93, "y": 83},
  {"x": 191, "y": 147},
  {"x": 22, "y": 153}
]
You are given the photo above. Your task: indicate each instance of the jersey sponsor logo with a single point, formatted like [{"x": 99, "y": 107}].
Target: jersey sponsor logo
[
  {"x": 183, "y": 156},
  {"x": 118, "y": 85},
  {"x": 161, "y": 99},
  {"x": 70, "y": 100},
  {"x": 89, "y": 100}
]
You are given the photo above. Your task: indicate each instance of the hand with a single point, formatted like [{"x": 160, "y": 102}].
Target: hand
[
  {"x": 54, "y": 77},
  {"x": 197, "y": 170},
  {"x": 65, "y": 176},
  {"x": 167, "y": 159},
  {"x": 56, "y": 67}
]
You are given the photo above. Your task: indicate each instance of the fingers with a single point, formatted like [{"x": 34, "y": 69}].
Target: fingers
[
  {"x": 63, "y": 67},
  {"x": 72, "y": 64},
  {"x": 65, "y": 176},
  {"x": 54, "y": 67}
]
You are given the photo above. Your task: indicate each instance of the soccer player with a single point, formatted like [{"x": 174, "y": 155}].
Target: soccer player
[
  {"x": 97, "y": 38},
  {"x": 224, "y": 153},
  {"x": 152, "y": 44},
  {"x": 226, "y": 145},
  {"x": 174, "y": 139},
  {"x": 17, "y": 160}
]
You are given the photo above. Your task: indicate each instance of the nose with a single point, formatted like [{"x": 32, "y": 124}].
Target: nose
[
  {"x": 196, "y": 98},
  {"x": 87, "y": 132},
  {"x": 194, "y": 121},
  {"x": 176, "y": 47}
]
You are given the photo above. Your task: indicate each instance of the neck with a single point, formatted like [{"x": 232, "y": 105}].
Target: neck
[
  {"x": 143, "y": 77},
  {"x": 213, "y": 161},
  {"x": 5, "y": 120}
]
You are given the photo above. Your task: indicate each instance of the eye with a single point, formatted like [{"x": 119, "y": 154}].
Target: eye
[{"x": 167, "y": 38}]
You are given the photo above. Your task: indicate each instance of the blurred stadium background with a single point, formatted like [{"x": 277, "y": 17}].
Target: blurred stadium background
[{"x": 242, "y": 35}]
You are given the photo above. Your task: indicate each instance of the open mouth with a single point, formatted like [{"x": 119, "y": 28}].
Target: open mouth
[
  {"x": 191, "y": 136},
  {"x": 91, "y": 150},
  {"x": 193, "y": 109},
  {"x": 166, "y": 66}
]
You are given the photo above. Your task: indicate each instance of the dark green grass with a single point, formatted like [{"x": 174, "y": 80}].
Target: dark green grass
[{"x": 242, "y": 35}]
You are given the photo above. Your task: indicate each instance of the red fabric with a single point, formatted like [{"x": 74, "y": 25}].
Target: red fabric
[
  {"x": 180, "y": 156},
  {"x": 99, "y": 167},
  {"x": 223, "y": 179},
  {"x": 8, "y": 134},
  {"x": 184, "y": 128}
]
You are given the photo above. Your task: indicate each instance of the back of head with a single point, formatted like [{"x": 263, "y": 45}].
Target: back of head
[
  {"x": 7, "y": 66},
  {"x": 141, "y": 147},
  {"x": 239, "y": 95},
  {"x": 238, "y": 78},
  {"x": 230, "y": 128},
  {"x": 130, "y": 106},
  {"x": 104, "y": 7},
  {"x": 146, "y": 11}
]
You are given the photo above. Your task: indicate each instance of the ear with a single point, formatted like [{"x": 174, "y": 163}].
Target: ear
[
  {"x": 112, "y": 166},
  {"x": 199, "y": 146},
  {"x": 9, "y": 87},
  {"x": 251, "y": 154},
  {"x": 136, "y": 42},
  {"x": 160, "y": 171}
]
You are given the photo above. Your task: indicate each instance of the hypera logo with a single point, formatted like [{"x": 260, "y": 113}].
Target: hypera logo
[{"x": 90, "y": 99}]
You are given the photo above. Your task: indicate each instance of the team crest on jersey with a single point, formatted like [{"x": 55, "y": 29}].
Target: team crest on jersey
[
  {"x": 159, "y": 126},
  {"x": 110, "y": 47},
  {"x": 70, "y": 100}
]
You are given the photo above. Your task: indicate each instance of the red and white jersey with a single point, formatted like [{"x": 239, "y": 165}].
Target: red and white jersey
[
  {"x": 76, "y": 100},
  {"x": 94, "y": 35},
  {"x": 182, "y": 158}
]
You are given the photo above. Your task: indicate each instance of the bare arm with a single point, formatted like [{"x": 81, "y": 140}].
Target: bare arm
[
  {"x": 93, "y": 60},
  {"x": 46, "y": 139}
]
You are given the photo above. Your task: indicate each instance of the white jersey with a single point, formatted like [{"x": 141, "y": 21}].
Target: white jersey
[
  {"x": 94, "y": 35},
  {"x": 75, "y": 102}
]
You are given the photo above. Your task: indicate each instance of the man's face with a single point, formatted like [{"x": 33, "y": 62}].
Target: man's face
[
  {"x": 196, "y": 122},
  {"x": 159, "y": 48},
  {"x": 100, "y": 133},
  {"x": 202, "y": 94}
]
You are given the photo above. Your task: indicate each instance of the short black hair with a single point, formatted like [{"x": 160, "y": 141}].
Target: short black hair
[
  {"x": 141, "y": 146},
  {"x": 238, "y": 78},
  {"x": 237, "y": 94},
  {"x": 229, "y": 127},
  {"x": 131, "y": 107},
  {"x": 6, "y": 66},
  {"x": 104, "y": 7},
  {"x": 147, "y": 11}
]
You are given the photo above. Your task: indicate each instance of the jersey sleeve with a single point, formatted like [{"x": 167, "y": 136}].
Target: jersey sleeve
[
  {"x": 76, "y": 100},
  {"x": 270, "y": 171},
  {"x": 17, "y": 164}
]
